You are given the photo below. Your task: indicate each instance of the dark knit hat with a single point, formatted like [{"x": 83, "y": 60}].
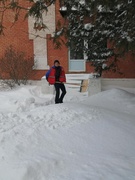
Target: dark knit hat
[{"x": 56, "y": 61}]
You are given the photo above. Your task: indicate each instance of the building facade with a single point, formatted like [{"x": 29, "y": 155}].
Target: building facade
[{"x": 38, "y": 43}]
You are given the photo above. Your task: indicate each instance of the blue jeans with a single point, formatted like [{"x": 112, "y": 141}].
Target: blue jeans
[{"x": 58, "y": 97}]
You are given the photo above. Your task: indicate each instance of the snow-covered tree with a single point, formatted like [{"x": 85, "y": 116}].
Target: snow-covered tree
[{"x": 107, "y": 27}]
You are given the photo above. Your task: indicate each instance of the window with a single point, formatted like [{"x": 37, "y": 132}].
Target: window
[
  {"x": 76, "y": 49},
  {"x": 76, "y": 56}
]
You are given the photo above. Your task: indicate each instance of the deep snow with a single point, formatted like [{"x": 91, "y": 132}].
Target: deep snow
[{"x": 85, "y": 138}]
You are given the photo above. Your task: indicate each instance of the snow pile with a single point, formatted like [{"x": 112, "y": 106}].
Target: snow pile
[{"x": 83, "y": 138}]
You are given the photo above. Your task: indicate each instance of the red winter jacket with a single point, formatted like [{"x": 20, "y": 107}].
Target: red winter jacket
[{"x": 51, "y": 76}]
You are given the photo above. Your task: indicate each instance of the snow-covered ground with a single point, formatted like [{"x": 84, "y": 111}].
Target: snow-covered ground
[{"x": 85, "y": 138}]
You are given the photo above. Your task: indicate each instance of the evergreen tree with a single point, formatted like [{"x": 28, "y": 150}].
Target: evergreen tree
[{"x": 110, "y": 22}]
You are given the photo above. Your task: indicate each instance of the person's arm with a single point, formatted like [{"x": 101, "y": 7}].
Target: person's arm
[
  {"x": 63, "y": 72},
  {"x": 47, "y": 74}
]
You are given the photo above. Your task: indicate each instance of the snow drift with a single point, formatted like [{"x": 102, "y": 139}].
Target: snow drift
[{"x": 83, "y": 138}]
